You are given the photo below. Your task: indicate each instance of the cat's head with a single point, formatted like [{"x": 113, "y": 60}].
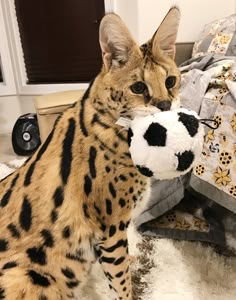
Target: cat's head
[{"x": 134, "y": 79}]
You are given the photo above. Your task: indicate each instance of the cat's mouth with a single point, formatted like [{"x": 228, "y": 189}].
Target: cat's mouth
[
  {"x": 144, "y": 111},
  {"x": 140, "y": 111}
]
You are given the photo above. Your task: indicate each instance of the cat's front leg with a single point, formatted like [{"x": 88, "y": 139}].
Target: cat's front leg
[{"x": 115, "y": 261}]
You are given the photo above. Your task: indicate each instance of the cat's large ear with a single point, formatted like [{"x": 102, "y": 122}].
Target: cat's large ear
[
  {"x": 165, "y": 36},
  {"x": 115, "y": 40}
]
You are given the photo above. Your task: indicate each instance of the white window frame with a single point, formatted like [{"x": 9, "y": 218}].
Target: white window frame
[
  {"x": 7, "y": 87},
  {"x": 18, "y": 61}
]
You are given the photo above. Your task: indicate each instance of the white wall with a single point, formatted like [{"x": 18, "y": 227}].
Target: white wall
[
  {"x": 128, "y": 10},
  {"x": 11, "y": 107},
  {"x": 144, "y": 16}
]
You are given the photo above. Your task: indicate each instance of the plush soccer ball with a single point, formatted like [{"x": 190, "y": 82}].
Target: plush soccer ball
[{"x": 165, "y": 145}]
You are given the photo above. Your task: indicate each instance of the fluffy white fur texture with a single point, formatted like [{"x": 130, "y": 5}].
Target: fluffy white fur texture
[{"x": 179, "y": 270}]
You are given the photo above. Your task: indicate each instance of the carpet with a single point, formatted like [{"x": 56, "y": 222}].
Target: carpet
[{"x": 166, "y": 269}]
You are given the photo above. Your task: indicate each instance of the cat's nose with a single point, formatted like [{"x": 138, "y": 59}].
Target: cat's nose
[{"x": 164, "y": 105}]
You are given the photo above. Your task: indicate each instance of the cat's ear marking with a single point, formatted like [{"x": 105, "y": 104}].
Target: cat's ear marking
[
  {"x": 165, "y": 36},
  {"x": 115, "y": 40}
]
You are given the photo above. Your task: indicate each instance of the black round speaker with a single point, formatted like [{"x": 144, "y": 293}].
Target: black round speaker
[{"x": 25, "y": 135}]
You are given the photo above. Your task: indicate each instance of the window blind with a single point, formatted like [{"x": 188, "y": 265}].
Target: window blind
[{"x": 60, "y": 39}]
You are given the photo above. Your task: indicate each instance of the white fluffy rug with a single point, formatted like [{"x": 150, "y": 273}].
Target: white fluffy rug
[{"x": 167, "y": 269}]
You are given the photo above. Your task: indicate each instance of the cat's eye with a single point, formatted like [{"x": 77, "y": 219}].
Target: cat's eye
[
  {"x": 170, "y": 82},
  {"x": 138, "y": 87}
]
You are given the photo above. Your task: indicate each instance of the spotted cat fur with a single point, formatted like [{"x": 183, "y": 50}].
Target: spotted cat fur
[{"x": 72, "y": 201}]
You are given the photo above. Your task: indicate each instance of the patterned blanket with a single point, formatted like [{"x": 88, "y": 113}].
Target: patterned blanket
[{"x": 202, "y": 205}]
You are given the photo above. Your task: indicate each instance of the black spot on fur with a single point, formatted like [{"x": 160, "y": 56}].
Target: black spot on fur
[
  {"x": 145, "y": 171},
  {"x": 120, "y": 243},
  {"x": 118, "y": 275},
  {"x": 108, "y": 260},
  {"x": 112, "y": 230},
  {"x": 81, "y": 114},
  {"x": 130, "y": 135},
  {"x": 122, "y": 202},
  {"x": 98, "y": 210},
  {"x": 26, "y": 215},
  {"x": 155, "y": 135},
  {"x": 58, "y": 197},
  {"x": 86, "y": 212},
  {"x": 115, "y": 145},
  {"x": 122, "y": 226},
  {"x": 108, "y": 206},
  {"x": 2, "y": 293},
  {"x": 66, "y": 232},
  {"x": 108, "y": 275},
  {"x": 13, "y": 230},
  {"x": 106, "y": 157},
  {"x": 54, "y": 216},
  {"x": 122, "y": 282},
  {"x": 38, "y": 279},
  {"x": 76, "y": 257},
  {"x": 7, "y": 195},
  {"x": 5, "y": 198},
  {"x": 3, "y": 245},
  {"x": 81, "y": 118},
  {"x": 103, "y": 227},
  {"x": 29, "y": 174},
  {"x": 14, "y": 180},
  {"x": 185, "y": 160},
  {"x": 37, "y": 255},
  {"x": 123, "y": 178},
  {"x": 190, "y": 122},
  {"x": 9, "y": 265},
  {"x": 108, "y": 169},
  {"x": 67, "y": 151},
  {"x": 92, "y": 160},
  {"x": 119, "y": 261},
  {"x": 43, "y": 148},
  {"x": 96, "y": 120},
  {"x": 48, "y": 238},
  {"x": 87, "y": 185},
  {"x": 98, "y": 252},
  {"x": 72, "y": 284},
  {"x": 112, "y": 190},
  {"x": 68, "y": 273}
]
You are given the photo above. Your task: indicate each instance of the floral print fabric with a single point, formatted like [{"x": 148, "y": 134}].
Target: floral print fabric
[
  {"x": 218, "y": 37},
  {"x": 217, "y": 164}
]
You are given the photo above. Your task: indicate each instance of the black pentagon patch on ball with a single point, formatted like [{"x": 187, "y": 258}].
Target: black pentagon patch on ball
[
  {"x": 130, "y": 135},
  {"x": 185, "y": 160},
  {"x": 190, "y": 122},
  {"x": 145, "y": 171},
  {"x": 156, "y": 135}
]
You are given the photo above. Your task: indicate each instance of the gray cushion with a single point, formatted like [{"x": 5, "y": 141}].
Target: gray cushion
[{"x": 183, "y": 52}]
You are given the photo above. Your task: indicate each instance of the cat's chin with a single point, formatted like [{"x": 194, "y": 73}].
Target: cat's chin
[
  {"x": 144, "y": 111},
  {"x": 175, "y": 104}
]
